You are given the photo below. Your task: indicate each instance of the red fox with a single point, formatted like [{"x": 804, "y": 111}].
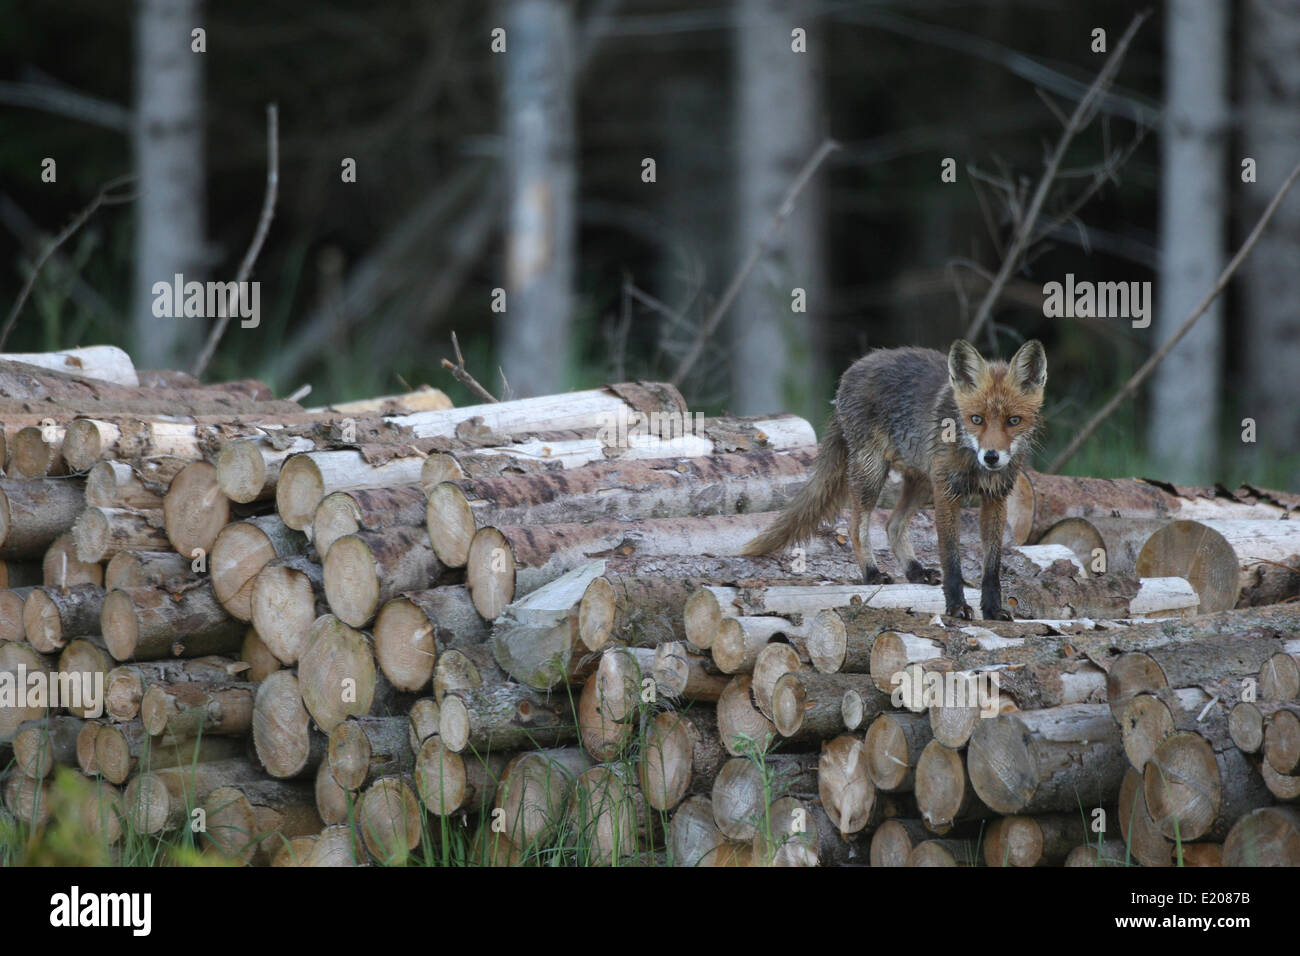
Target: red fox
[{"x": 964, "y": 425}]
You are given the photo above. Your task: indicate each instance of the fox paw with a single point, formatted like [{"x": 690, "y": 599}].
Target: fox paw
[
  {"x": 996, "y": 614},
  {"x": 919, "y": 574},
  {"x": 875, "y": 576},
  {"x": 962, "y": 611}
]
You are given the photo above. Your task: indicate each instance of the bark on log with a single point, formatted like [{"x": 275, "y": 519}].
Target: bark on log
[
  {"x": 739, "y": 640},
  {"x": 34, "y": 513},
  {"x": 88, "y": 440},
  {"x": 152, "y": 623},
  {"x": 52, "y": 616},
  {"x": 239, "y": 553},
  {"x": 100, "y": 533},
  {"x": 283, "y": 737},
  {"x": 137, "y": 487},
  {"x": 248, "y": 469},
  {"x": 364, "y": 571},
  {"x": 104, "y": 363},
  {"x": 367, "y": 509},
  {"x": 717, "y": 485},
  {"x": 800, "y": 834},
  {"x": 682, "y": 675},
  {"x": 306, "y": 479},
  {"x": 194, "y": 509},
  {"x": 1044, "y": 760},
  {"x": 467, "y": 668},
  {"x": 1189, "y": 664}
]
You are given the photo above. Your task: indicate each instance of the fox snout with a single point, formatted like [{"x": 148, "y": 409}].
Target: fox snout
[{"x": 992, "y": 459}]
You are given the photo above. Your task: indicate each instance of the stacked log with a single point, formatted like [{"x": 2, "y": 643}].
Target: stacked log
[{"x": 523, "y": 633}]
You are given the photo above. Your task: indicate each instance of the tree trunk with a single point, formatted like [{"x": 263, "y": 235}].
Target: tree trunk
[
  {"x": 121, "y": 749},
  {"x": 505, "y": 716},
  {"x": 742, "y": 787},
  {"x": 254, "y": 821},
  {"x": 126, "y": 684},
  {"x": 1197, "y": 789},
  {"x": 137, "y": 569},
  {"x": 169, "y": 160},
  {"x": 681, "y": 756},
  {"x": 739, "y": 640},
  {"x": 449, "y": 781},
  {"x": 680, "y": 674},
  {"x": 61, "y": 568},
  {"x": 411, "y": 630},
  {"x": 88, "y": 660},
  {"x": 88, "y": 440},
  {"x": 40, "y": 745},
  {"x": 892, "y": 746},
  {"x": 163, "y": 800},
  {"x": 194, "y": 509},
  {"x": 1188, "y": 664},
  {"x": 535, "y": 640},
  {"x": 808, "y": 707},
  {"x": 538, "y": 94},
  {"x": 190, "y": 709}
]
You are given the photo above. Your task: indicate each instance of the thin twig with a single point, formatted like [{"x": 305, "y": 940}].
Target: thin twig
[
  {"x": 259, "y": 237},
  {"x": 1149, "y": 365},
  {"x": 733, "y": 289},
  {"x": 1078, "y": 119},
  {"x": 101, "y": 199},
  {"x": 461, "y": 374}
]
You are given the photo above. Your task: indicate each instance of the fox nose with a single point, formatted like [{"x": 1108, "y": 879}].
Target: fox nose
[{"x": 990, "y": 458}]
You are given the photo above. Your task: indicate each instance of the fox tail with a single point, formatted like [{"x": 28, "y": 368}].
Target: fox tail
[{"x": 815, "y": 501}]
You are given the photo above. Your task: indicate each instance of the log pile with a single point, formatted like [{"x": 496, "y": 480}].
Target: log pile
[{"x": 521, "y": 633}]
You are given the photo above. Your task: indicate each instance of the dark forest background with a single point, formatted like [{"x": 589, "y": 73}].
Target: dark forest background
[{"x": 523, "y": 170}]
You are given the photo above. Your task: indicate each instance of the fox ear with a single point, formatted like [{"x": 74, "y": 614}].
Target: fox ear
[
  {"x": 1029, "y": 366},
  {"x": 964, "y": 365}
]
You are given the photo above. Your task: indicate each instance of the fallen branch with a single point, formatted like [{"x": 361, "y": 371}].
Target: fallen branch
[
  {"x": 259, "y": 236},
  {"x": 1140, "y": 376},
  {"x": 461, "y": 374},
  {"x": 733, "y": 289},
  {"x": 103, "y": 198},
  {"x": 1081, "y": 116}
]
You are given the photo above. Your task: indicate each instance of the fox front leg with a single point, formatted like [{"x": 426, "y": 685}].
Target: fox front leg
[
  {"x": 947, "y": 520},
  {"x": 993, "y": 521}
]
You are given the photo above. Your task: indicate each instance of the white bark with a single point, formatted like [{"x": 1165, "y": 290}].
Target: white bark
[{"x": 1185, "y": 392}]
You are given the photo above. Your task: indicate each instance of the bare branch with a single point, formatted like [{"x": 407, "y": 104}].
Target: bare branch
[
  {"x": 259, "y": 237},
  {"x": 755, "y": 253},
  {"x": 461, "y": 374},
  {"x": 1149, "y": 365},
  {"x": 1084, "y": 110},
  {"x": 102, "y": 198}
]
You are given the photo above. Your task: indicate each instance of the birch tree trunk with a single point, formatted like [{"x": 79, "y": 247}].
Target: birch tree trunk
[
  {"x": 169, "y": 159},
  {"x": 538, "y": 112},
  {"x": 1193, "y": 204}
]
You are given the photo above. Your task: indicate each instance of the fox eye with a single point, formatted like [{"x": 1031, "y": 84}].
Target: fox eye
[
  {"x": 977, "y": 419},
  {"x": 1013, "y": 420}
]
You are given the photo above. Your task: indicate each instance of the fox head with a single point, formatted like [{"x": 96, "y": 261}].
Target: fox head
[{"x": 998, "y": 403}]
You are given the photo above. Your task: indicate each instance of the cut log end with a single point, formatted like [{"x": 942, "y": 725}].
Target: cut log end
[
  {"x": 1192, "y": 550},
  {"x": 451, "y": 524},
  {"x": 490, "y": 572}
]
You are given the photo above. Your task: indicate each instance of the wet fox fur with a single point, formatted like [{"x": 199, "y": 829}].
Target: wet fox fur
[{"x": 962, "y": 424}]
